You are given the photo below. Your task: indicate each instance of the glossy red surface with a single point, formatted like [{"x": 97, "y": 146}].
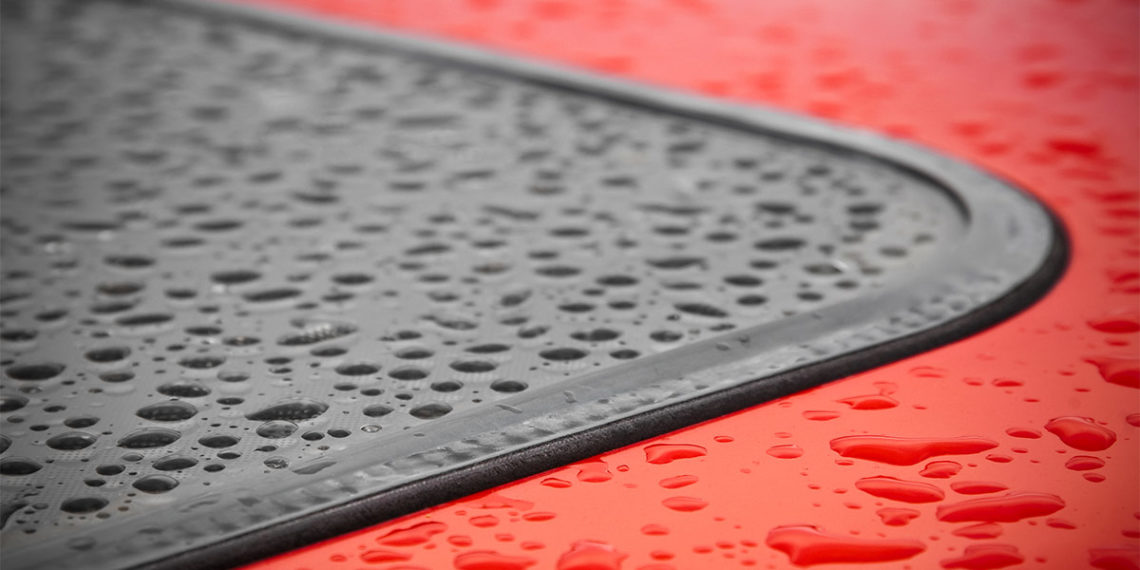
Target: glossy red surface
[{"x": 1017, "y": 445}]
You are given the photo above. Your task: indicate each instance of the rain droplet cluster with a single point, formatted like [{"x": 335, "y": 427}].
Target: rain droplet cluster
[{"x": 229, "y": 250}]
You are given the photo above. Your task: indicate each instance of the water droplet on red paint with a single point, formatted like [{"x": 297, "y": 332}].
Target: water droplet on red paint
[
  {"x": 662, "y": 453},
  {"x": 1084, "y": 463},
  {"x": 724, "y": 439},
  {"x": 538, "y": 516},
  {"x": 497, "y": 501},
  {"x": 900, "y": 490},
  {"x": 1059, "y": 523},
  {"x": 1093, "y": 477},
  {"x": 484, "y": 521},
  {"x": 907, "y": 450},
  {"x": 555, "y": 482},
  {"x": 1116, "y": 324},
  {"x": 678, "y": 481},
  {"x": 985, "y": 557},
  {"x": 893, "y": 516},
  {"x": 977, "y": 487},
  {"x": 654, "y": 530},
  {"x": 999, "y": 458},
  {"x": 870, "y": 402},
  {"x": 685, "y": 504},
  {"x": 979, "y": 531},
  {"x": 807, "y": 545},
  {"x": 1133, "y": 420},
  {"x": 1006, "y": 508},
  {"x": 415, "y": 534},
  {"x": 1024, "y": 433},
  {"x": 491, "y": 560},
  {"x": 1081, "y": 433},
  {"x": 594, "y": 472},
  {"x": 1007, "y": 382},
  {"x": 590, "y": 555},
  {"x": 460, "y": 540},
  {"x": 1120, "y": 371},
  {"x": 941, "y": 469},
  {"x": 1114, "y": 558},
  {"x": 787, "y": 451},
  {"x": 820, "y": 415},
  {"x": 382, "y": 556}
]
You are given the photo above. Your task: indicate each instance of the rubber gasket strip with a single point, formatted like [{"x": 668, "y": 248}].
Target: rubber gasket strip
[{"x": 1010, "y": 254}]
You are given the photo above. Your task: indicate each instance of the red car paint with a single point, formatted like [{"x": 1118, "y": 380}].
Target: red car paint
[{"x": 1017, "y": 445}]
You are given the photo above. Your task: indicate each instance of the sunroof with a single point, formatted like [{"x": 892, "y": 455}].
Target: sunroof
[{"x": 266, "y": 279}]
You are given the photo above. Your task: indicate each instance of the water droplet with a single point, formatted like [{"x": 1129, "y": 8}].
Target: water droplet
[
  {"x": 820, "y": 415},
  {"x": 430, "y": 411},
  {"x": 18, "y": 466},
  {"x": 412, "y": 535},
  {"x": 83, "y": 505},
  {"x": 1120, "y": 371},
  {"x": 276, "y": 429},
  {"x": 941, "y": 469},
  {"x": 893, "y": 516},
  {"x": 594, "y": 472},
  {"x": 152, "y": 437},
  {"x": 678, "y": 481},
  {"x": 295, "y": 410},
  {"x": 384, "y": 556},
  {"x": 685, "y": 504},
  {"x": 985, "y": 557},
  {"x": 979, "y": 531},
  {"x": 71, "y": 441},
  {"x": 663, "y": 453},
  {"x": 787, "y": 451},
  {"x": 1084, "y": 463},
  {"x": 172, "y": 411},
  {"x": 807, "y": 545},
  {"x": 1006, "y": 508},
  {"x": 900, "y": 490},
  {"x": 907, "y": 450},
  {"x": 977, "y": 487},
  {"x": 34, "y": 372},
  {"x": 489, "y": 559},
  {"x": 155, "y": 484},
  {"x": 174, "y": 463},
  {"x": 590, "y": 555},
  {"x": 1081, "y": 433}
]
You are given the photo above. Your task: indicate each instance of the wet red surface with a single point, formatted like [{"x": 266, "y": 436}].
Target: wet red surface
[{"x": 1021, "y": 442}]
